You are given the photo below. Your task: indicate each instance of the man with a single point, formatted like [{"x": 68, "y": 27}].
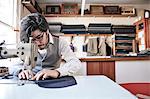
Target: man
[{"x": 50, "y": 50}]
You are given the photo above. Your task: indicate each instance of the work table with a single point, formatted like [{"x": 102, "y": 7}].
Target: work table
[
  {"x": 117, "y": 58},
  {"x": 88, "y": 87},
  {"x": 116, "y": 67}
]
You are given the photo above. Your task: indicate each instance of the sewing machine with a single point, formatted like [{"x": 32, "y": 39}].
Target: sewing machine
[{"x": 27, "y": 52}]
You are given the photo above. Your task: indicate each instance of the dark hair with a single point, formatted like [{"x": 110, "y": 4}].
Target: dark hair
[{"x": 31, "y": 23}]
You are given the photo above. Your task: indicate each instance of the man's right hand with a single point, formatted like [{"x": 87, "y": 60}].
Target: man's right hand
[{"x": 25, "y": 74}]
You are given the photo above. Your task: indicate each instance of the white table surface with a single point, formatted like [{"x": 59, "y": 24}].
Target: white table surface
[{"x": 88, "y": 87}]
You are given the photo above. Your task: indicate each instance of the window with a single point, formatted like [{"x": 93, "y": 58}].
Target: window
[
  {"x": 7, "y": 21},
  {"x": 6, "y": 10}
]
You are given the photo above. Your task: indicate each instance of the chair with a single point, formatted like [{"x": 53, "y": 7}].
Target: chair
[
  {"x": 141, "y": 96},
  {"x": 141, "y": 90}
]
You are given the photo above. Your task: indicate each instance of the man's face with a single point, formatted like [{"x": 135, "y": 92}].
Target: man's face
[{"x": 40, "y": 38}]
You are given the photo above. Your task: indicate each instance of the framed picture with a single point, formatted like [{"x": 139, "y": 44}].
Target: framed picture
[
  {"x": 69, "y": 8},
  {"x": 146, "y": 13},
  {"x": 97, "y": 9},
  {"x": 112, "y": 10},
  {"x": 53, "y": 9}
]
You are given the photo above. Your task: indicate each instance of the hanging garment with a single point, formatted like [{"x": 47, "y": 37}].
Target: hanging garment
[
  {"x": 92, "y": 47},
  {"x": 102, "y": 46},
  {"x": 105, "y": 46}
]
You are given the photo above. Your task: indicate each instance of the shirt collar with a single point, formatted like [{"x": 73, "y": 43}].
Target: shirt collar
[{"x": 51, "y": 38}]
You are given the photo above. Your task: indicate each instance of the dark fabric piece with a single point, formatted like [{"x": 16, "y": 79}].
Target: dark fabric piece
[
  {"x": 55, "y": 23},
  {"x": 84, "y": 47},
  {"x": 73, "y": 29},
  {"x": 124, "y": 38},
  {"x": 99, "y": 25},
  {"x": 108, "y": 50},
  {"x": 61, "y": 82},
  {"x": 55, "y": 27},
  {"x": 100, "y": 28},
  {"x": 128, "y": 29},
  {"x": 80, "y": 26},
  {"x": 7, "y": 76}
]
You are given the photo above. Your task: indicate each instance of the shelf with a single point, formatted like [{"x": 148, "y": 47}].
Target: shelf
[
  {"x": 86, "y": 35},
  {"x": 143, "y": 25},
  {"x": 87, "y": 10},
  {"x": 115, "y": 58},
  {"x": 60, "y": 15},
  {"x": 86, "y": 15},
  {"x": 115, "y": 15},
  {"x": 124, "y": 41}
]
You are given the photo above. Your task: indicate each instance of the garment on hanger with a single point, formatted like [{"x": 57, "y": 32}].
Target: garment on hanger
[{"x": 92, "y": 47}]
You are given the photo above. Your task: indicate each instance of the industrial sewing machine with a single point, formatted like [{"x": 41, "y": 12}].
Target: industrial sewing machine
[{"x": 27, "y": 52}]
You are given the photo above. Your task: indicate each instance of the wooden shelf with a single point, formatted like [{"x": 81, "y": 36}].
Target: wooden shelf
[
  {"x": 79, "y": 11},
  {"x": 86, "y": 15},
  {"x": 60, "y": 15},
  {"x": 86, "y": 35},
  {"x": 146, "y": 33},
  {"x": 107, "y": 15},
  {"x": 116, "y": 58}
]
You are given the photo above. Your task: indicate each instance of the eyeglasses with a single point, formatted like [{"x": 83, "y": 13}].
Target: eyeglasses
[{"x": 39, "y": 37}]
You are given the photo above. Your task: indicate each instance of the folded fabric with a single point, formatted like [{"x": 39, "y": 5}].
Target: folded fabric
[
  {"x": 61, "y": 82},
  {"x": 55, "y": 27},
  {"x": 73, "y": 29},
  {"x": 100, "y": 28},
  {"x": 127, "y": 29}
]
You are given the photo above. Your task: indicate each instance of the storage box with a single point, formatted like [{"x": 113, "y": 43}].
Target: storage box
[
  {"x": 126, "y": 10},
  {"x": 53, "y": 9},
  {"x": 97, "y": 9},
  {"x": 112, "y": 10},
  {"x": 69, "y": 8}
]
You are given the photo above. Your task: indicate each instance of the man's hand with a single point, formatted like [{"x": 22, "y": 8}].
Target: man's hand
[
  {"x": 25, "y": 74},
  {"x": 45, "y": 73}
]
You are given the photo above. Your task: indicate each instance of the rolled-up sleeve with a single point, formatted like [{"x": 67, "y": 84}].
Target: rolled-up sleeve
[{"x": 72, "y": 64}]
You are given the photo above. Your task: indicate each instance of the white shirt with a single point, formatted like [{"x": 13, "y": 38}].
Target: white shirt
[{"x": 72, "y": 64}]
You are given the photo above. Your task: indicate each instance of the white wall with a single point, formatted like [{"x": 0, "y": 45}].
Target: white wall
[{"x": 132, "y": 71}]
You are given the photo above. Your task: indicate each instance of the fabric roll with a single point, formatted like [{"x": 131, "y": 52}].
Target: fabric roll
[
  {"x": 55, "y": 27},
  {"x": 99, "y": 28},
  {"x": 73, "y": 29},
  {"x": 120, "y": 29}
]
